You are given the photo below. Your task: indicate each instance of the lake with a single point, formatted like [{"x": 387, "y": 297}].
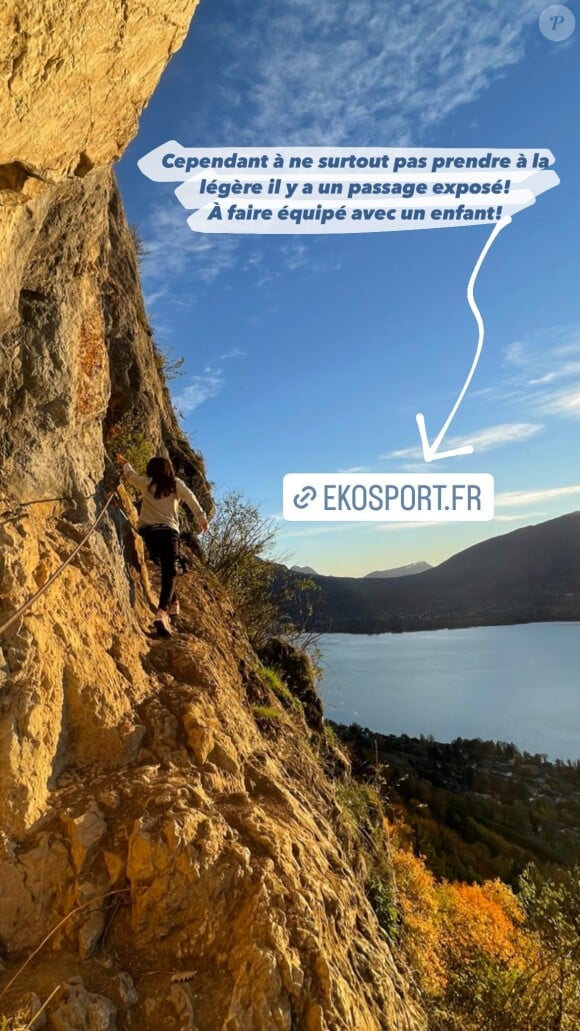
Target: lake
[{"x": 509, "y": 683}]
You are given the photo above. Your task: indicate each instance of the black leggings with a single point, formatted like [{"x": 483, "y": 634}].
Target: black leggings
[{"x": 163, "y": 547}]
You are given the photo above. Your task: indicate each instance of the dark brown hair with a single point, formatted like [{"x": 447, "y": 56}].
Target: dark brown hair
[{"x": 162, "y": 477}]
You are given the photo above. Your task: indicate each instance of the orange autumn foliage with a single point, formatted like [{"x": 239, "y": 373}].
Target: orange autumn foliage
[
  {"x": 466, "y": 943},
  {"x": 480, "y": 919},
  {"x": 420, "y": 931}
]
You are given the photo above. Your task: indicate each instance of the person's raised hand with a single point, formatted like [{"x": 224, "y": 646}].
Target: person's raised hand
[
  {"x": 203, "y": 526},
  {"x": 120, "y": 459}
]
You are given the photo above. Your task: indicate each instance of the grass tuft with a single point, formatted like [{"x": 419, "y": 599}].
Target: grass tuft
[
  {"x": 265, "y": 712},
  {"x": 270, "y": 678}
]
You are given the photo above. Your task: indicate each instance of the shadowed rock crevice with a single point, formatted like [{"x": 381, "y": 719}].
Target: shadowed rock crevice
[{"x": 13, "y": 176}]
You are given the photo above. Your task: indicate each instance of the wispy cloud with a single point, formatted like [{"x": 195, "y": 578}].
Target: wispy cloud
[
  {"x": 361, "y": 73},
  {"x": 520, "y": 498},
  {"x": 302, "y": 254},
  {"x": 234, "y": 353},
  {"x": 545, "y": 372},
  {"x": 505, "y": 433},
  {"x": 516, "y": 353},
  {"x": 412, "y": 525},
  {"x": 521, "y": 518},
  {"x": 570, "y": 348},
  {"x": 310, "y": 530},
  {"x": 296, "y": 253},
  {"x": 537, "y": 368},
  {"x": 177, "y": 262},
  {"x": 564, "y": 402},
  {"x": 205, "y": 385},
  {"x": 152, "y": 297},
  {"x": 544, "y": 346},
  {"x": 174, "y": 252},
  {"x": 200, "y": 389},
  {"x": 482, "y": 440},
  {"x": 564, "y": 372}
]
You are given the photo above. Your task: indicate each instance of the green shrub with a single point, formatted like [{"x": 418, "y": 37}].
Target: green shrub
[
  {"x": 362, "y": 809},
  {"x": 361, "y": 804},
  {"x": 331, "y": 738},
  {"x": 265, "y": 712},
  {"x": 274, "y": 681},
  {"x": 294, "y": 667},
  {"x": 138, "y": 451},
  {"x": 380, "y": 898},
  {"x": 126, "y": 439}
]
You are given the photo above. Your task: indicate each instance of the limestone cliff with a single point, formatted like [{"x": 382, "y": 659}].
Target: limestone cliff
[{"x": 195, "y": 858}]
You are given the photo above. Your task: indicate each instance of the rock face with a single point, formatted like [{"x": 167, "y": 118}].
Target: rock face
[
  {"x": 105, "y": 56},
  {"x": 218, "y": 890},
  {"x": 188, "y": 867},
  {"x": 76, "y": 76}
]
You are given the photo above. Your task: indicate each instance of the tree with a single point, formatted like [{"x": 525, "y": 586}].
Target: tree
[
  {"x": 237, "y": 535},
  {"x": 552, "y": 909},
  {"x": 418, "y": 897},
  {"x": 467, "y": 945},
  {"x": 484, "y": 952},
  {"x": 236, "y": 547}
]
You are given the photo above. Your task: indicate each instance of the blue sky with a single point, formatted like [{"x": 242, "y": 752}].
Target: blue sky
[{"x": 313, "y": 354}]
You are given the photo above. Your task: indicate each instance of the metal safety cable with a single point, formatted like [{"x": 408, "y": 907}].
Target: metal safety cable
[
  {"x": 19, "y": 612},
  {"x": 17, "y": 513}
]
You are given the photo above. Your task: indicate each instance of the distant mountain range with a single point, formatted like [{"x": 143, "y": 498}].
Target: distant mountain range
[
  {"x": 411, "y": 570},
  {"x": 529, "y": 575}
]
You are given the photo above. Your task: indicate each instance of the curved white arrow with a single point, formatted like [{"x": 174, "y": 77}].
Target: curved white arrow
[{"x": 431, "y": 452}]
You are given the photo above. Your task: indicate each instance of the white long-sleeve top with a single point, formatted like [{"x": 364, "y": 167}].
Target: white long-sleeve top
[{"x": 162, "y": 511}]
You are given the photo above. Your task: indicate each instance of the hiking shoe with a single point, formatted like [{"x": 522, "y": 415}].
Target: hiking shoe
[
  {"x": 161, "y": 623},
  {"x": 174, "y": 608}
]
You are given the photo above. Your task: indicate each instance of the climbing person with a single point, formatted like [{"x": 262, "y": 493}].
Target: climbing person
[{"x": 158, "y": 525}]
